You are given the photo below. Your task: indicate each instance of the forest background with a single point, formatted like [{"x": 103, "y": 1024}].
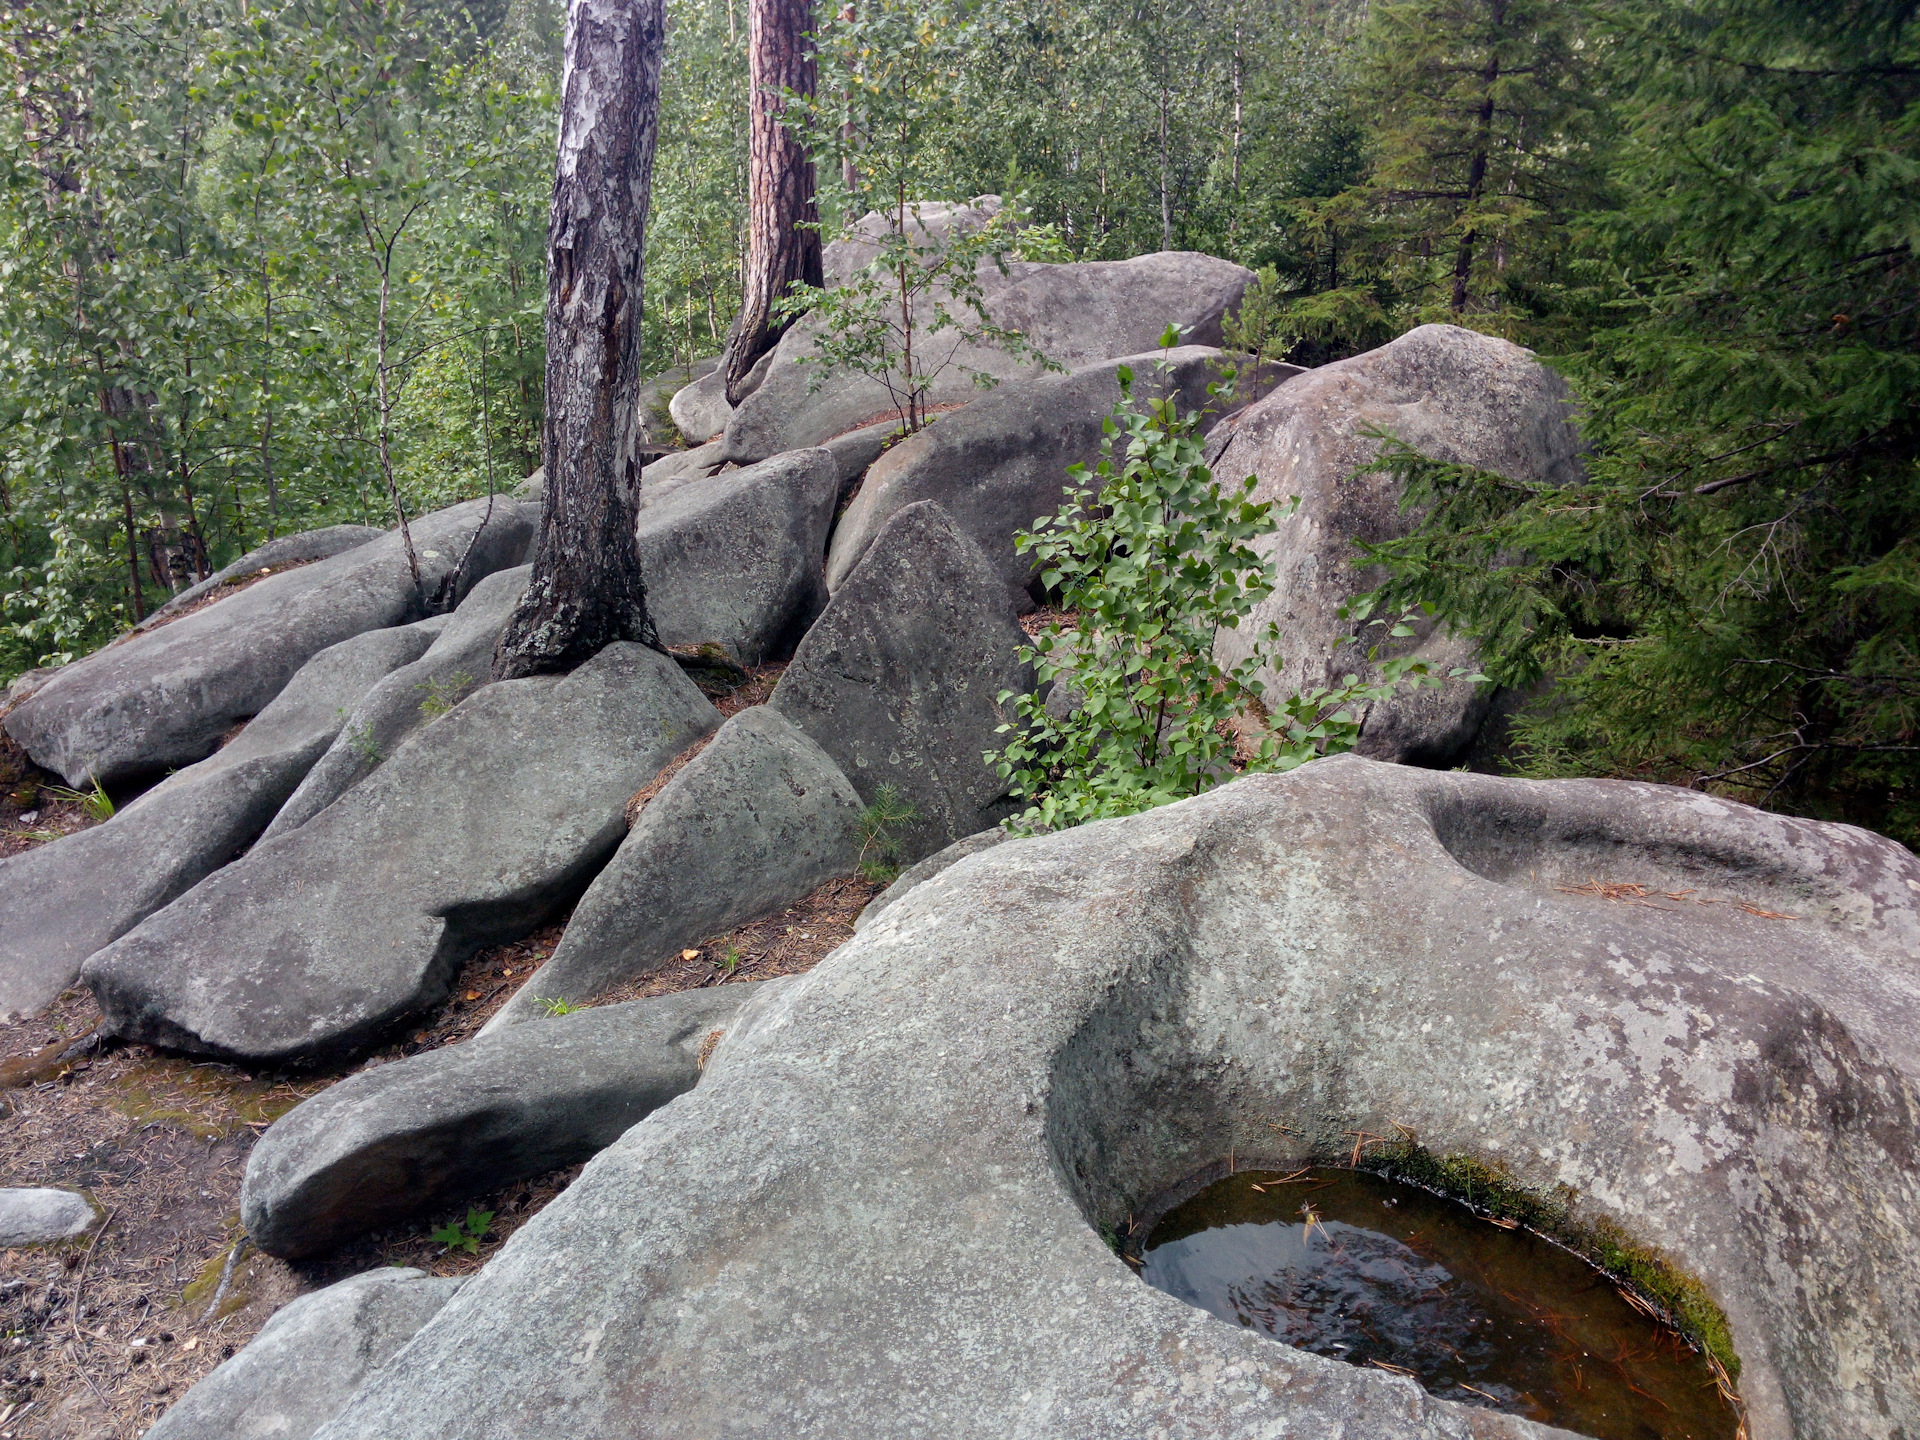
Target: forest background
[{"x": 267, "y": 265}]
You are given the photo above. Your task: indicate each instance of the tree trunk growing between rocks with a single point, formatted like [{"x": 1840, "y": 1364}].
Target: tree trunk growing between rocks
[
  {"x": 586, "y": 591},
  {"x": 783, "y": 244}
]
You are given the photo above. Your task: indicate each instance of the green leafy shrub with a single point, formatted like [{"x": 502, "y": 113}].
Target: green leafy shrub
[
  {"x": 1153, "y": 564},
  {"x": 465, "y": 1235}
]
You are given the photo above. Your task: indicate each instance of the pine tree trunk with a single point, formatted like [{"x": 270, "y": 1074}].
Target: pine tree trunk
[
  {"x": 782, "y": 245},
  {"x": 586, "y": 591}
]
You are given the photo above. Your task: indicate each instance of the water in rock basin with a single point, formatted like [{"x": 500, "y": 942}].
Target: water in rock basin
[{"x": 1361, "y": 1269}]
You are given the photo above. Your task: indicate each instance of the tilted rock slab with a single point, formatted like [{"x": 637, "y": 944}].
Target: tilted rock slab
[
  {"x": 899, "y": 679},
  {"x": 736, "y": 559},
  {"x": 300, "y": 549},
  {"x": 1073, "y": 314},
  {"x": 700, "y": 409},
  {"x": 1002, "y": 462},
  {"x": 1452, "y": 394},
  {"x": 925, "y": 870},
  {"x": 413, "y": 1136},
  {"x": 67, "y": 899},
  {"x": 476, "y": 830},
  {"x": 164, "y": 698},
  {"x": 757, "y": 820},
  {"x": 880, "y": 1212},
  {"x": 313, "y": 1354},
  {"x": 459, "y": 661}
]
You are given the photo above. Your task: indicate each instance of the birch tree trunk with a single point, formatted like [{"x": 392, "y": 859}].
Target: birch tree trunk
[
  {"x": 586, "y": 591},
  {"x": 783, "y": 244}
]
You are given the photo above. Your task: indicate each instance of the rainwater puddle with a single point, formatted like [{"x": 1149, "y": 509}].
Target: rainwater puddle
[{"x": 1377, "y": 1273}]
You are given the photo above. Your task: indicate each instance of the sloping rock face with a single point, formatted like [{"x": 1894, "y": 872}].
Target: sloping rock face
[
  {"x": 1002, "y": 462},
  {"x": 757, "y": 820},
  {"x": 701, "y": 409},
  {"x": 1452, "y": 394},
  {"x": 899, "y": 677},
  {"x": 473, "y": 832},
  {"x": 906, "y": 1156},
  {"x": 1074, "y": 314},
  {"x": 164, "y": 698},
  {"x": 736, "y": 559},
  {"x": 925, "y": 870},
  {"x": 410, "y": 1137},
  {"x": 298, "y": 549},
  {"x": 65, "y": 900},
  {"x": 459, "y": 661},
  {"x": 310, "y": 1357}
]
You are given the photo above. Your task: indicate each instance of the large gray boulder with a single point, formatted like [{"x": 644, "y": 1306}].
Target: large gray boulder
[
  {"x": 164, "y": 698},
  {"x": 735, "y": 559},
  {"x": 473, "y": 832},
  {"x": 881, "y": 1212},
  {"x": 1001, "y": 463},
  {"x": 41, "y": 1215},
  {"x": 1073, "y": 314},
  {"x": 300, "y": 549},
  {"x": 899, "y": 679},
  {"x": 1452, "y": 394},
  {"x": 701, "y": 409},
  {"x": 313, "y": 1354},
  {"x": 757, "y": 820},
  {"x": 459, "y": 661},
  {"x": 420, "y": 1134},
  {"x": 65, "y": 900}
]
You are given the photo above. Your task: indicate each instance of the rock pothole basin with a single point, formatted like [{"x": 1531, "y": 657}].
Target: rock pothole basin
[{"x": 882, "y": 1212}]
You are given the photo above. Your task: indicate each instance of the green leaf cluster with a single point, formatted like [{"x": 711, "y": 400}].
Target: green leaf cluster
[{"x": 1151, "y": 564}]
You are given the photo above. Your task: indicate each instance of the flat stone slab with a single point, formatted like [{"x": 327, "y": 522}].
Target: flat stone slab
[
  {"x": 899, "y": 677},
  {"x": 1452, "y": 394},
  {"x": 472, "y": 833},
  {"x": 881, "y": 1212},
  {"x": 300, "y": 549},
  {"x": 164, "y": 698},
  {"x": 1002, "y": 462},
  {"x": 759, "y": 819},
  {"x": 1074, "y": 314},
  {"x": 313, "y": 1354},
  {"x": 65, "y": 900},
  {"x": 459, "y": 661},
  {"x": 41, "y": 1215},
  {"x": 735, "y": 559},
  {"x": 416, "y": 1135}
]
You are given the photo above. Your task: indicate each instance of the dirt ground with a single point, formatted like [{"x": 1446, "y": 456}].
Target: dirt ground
[{"x": 99, "y": 1336}]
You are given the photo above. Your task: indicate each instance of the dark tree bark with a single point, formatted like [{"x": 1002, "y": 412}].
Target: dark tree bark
[
  {"x": 783, "y": 243},
  {"x": 586, "y": 590}
]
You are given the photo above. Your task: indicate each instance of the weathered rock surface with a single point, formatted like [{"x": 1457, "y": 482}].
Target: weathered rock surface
[
  {"x": 925, "y": 870},
  {"x": 1452, "y": 394},
  {"x": 308, "y": 545},
  {"x": 473, "y": 832},
  {"x": 757, "y": 820},
  {"x": 416, "y": 1135},
  {"x": 736, "y": 559},
  {"x": 313, "y": 1354},
  {"x": 1002, "y": 462},
  {"x": 40, "y": 1215},
  {"x": 1074, "y": 314},
  {"x": 164, "y": 698},
  {"x": 856, "y": 450},
  {"x": 701, "y": 409},
  {"x": 907, "y": 1154},
  {"x": 458, "y": 662},
  {"x": 65, "y": 900},
  {"x": 670, "y": 472},
  {"x": 898, "y": 678}
]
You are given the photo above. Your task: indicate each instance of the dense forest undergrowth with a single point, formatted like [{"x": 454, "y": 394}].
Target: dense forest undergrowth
[{"x": 270, "y": 266}]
